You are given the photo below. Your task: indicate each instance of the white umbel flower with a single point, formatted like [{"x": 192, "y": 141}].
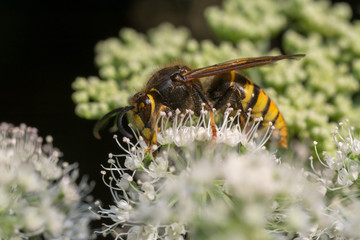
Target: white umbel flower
[
  {"x": 338, "y": 175},
  {"x": 39, "y": 197},
  {"x": 189, "y": 186},
  {"x": 341, "y": 170},
  {"x": 184, "y": 129}
]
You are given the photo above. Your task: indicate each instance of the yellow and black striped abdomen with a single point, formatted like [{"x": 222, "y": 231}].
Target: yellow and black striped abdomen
[
  {"x": 254, "y": 98},
  {"x": 243, "y": 94}
]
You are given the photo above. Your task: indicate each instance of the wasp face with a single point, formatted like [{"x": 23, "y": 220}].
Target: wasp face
[{"x": 143, "y": 115}]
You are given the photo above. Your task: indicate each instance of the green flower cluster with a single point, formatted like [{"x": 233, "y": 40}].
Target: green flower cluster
[
  {"x": 319, "y": 90},
  {"x": 312, "y": 93},
  {"x": 126, "y": 64}
]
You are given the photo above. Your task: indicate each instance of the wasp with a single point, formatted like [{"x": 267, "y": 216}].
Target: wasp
[{"x": 179, "y": 87}]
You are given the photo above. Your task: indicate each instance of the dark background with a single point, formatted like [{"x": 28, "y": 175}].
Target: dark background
[{"x": 45, "y": 46}]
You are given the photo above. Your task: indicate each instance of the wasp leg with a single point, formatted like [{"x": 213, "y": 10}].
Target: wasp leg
[
  {"x": 153, "y": 140},
  {"x": 226, "y": 98},
  {"x": 156, "y": 126},
  {"x": 210, "y": 107}
]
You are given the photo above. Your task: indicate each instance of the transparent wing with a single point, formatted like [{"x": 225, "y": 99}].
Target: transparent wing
[{"x": 236, "y": 64}]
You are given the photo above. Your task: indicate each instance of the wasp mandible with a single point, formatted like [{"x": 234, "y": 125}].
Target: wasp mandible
[{"x": 179, "y": 87}]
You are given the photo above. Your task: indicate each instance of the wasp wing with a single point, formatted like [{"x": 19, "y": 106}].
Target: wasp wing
[{"x": 236, "y": 64}]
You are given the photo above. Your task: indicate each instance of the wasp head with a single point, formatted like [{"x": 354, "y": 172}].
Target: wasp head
[{"x": 143, "y": 115}]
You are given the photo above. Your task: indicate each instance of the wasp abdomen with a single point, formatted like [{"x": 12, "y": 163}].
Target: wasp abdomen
[{"x": 241, "y": 93}]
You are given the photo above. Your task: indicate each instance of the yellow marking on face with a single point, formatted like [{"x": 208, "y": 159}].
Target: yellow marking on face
[
  {"x": 146, "y": 133},
  {"x": 152, "y": 101},
  {"x": 138, "y": 122},
  {"x": 141, "y": 105}
]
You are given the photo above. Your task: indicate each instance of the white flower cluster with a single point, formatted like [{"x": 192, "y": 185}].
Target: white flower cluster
[
  {"x": 188, "y": 187},
  {"x": 183, "y": 130},
  {"x": 339, "y": 177},
  {"x": 342, "y": 170},
  {"x": 39, "y": 197}
]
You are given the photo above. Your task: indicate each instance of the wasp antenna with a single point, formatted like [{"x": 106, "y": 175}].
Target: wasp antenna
[
  {"x": 119, "y": 122},
  {"x": 102, "y": 122}
]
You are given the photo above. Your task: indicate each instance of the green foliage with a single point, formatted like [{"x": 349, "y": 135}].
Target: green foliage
[{"x": 311, "y": 93}]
